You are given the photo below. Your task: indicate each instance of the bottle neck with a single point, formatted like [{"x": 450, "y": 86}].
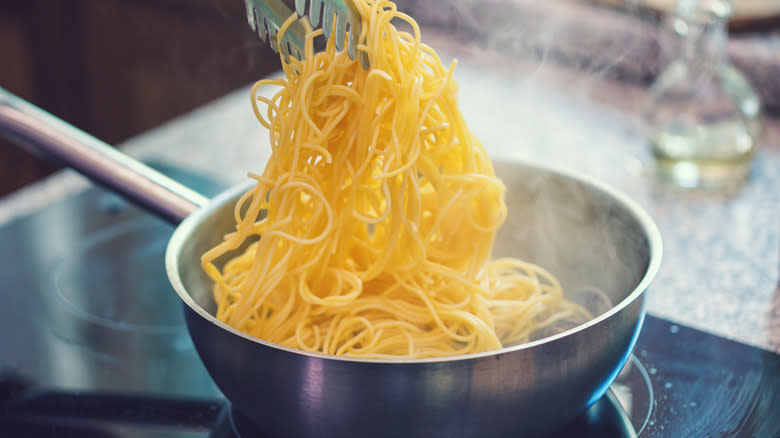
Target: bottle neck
[
  {"x": 704, "y": 43},
  {"x": 701, "y": 26}
]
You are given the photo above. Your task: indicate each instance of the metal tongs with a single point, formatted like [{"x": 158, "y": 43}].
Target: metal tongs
[{"x": 267, "y": 16}]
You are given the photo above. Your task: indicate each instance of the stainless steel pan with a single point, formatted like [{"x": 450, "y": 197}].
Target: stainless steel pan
[{"x": 589, "y": 235}]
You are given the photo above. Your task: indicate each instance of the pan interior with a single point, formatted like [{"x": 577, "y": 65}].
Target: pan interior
[
  {"x": 590, "y": 240},
  {"x": 593, "y": 242}
]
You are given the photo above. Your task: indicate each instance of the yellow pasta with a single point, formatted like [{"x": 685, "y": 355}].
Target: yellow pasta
[{"x": 372, "y": 224}]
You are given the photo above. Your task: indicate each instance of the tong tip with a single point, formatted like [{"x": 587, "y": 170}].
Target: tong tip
[{"x": 265, "y": 17}]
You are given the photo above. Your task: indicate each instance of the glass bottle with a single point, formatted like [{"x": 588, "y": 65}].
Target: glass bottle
[{"x": 703, "y": 117}]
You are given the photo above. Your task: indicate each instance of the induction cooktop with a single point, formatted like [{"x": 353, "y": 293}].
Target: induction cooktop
[{"x": 93, "y": 344}]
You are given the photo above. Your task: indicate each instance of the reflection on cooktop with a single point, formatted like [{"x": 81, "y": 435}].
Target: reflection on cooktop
[{"x": 706, "y": 385}]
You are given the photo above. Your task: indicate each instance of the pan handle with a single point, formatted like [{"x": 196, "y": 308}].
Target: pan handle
[{"x": 28, "y": 125}]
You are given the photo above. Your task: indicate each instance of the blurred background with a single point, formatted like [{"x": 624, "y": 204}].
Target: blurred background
[{"x": 116, "y": 68}]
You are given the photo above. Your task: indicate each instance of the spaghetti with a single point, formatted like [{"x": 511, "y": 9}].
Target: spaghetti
[{"x": 371, "y": 227}]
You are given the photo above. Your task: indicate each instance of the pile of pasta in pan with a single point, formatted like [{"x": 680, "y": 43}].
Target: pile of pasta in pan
[{"x": 372, "y": 224}]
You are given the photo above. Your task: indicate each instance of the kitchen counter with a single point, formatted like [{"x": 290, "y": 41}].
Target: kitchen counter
[{"x": 721, "y": 251}]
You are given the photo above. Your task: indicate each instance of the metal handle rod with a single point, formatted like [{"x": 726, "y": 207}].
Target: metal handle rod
[{"x": 28, "y": 125}]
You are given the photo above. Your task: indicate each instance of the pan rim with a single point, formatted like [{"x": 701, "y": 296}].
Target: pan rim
[{"x": 647, "y": 224}]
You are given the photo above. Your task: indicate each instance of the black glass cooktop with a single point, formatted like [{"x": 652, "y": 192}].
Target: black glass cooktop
[
  {"x": 92, "y": 344},
  {"x": 680, "y": 383}
]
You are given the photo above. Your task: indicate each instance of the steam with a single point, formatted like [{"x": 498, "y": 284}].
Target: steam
[
  {"x": 590, "y": 241},
  {"x": 595, "y": 39}
]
